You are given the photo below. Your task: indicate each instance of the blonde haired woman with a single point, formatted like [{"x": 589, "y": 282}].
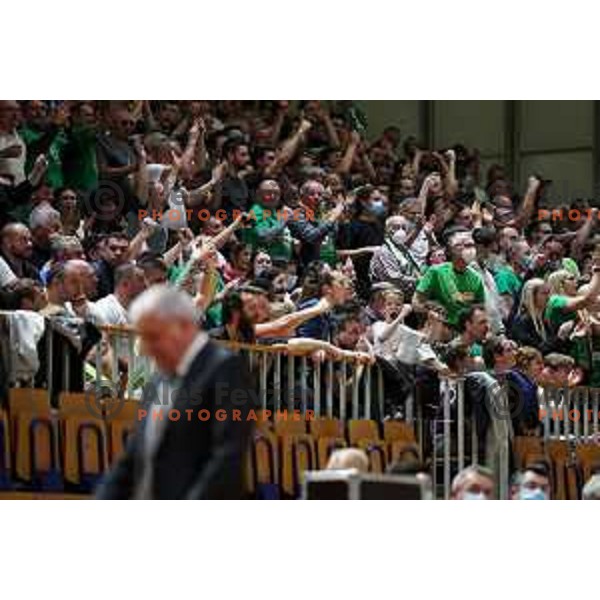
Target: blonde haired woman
[
  {"x": 564, "y": 301},
  {"x": 529, "y": 327}
]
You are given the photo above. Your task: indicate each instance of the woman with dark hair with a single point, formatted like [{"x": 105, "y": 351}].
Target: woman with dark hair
[
  {"x": 366, "y": 229},
  {"x": 239, "y": 265},
  {"x": 237, "y": 326}
]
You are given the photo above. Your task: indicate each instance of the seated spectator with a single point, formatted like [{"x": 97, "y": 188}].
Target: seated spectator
[
  {"x": 529, "y": 326},
  {"x": 16, "y": 250},
  {"x": 559, "y": 371},
  {"x": 473, "y": 483},
  {"x": 45, "y": 224},
  {"x": 525, "y": 379},
  {"x": 113, "y": 309},
  {"x": 533, "y": 483},
  {"x": 63, "y": 248},
  {"x": 591, "y": 490}
]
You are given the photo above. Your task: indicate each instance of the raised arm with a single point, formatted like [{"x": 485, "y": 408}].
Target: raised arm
[
  {"x": 346, "y": 162},
  {"x": 201, "y": 196},
  {"x": 528, "y": 206},
  {"x": 579, "y": 302},
  {"x": 288, "y": 149},
  {"x": 583, "y": 233}
]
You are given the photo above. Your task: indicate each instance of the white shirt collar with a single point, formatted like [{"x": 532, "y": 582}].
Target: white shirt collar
[{"x": 193, "y": 350}]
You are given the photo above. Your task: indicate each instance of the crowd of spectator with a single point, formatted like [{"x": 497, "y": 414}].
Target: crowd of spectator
[{"x": 287, "y": 224}]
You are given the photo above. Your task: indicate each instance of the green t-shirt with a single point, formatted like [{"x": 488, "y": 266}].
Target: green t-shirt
[
  {"x": 475, "y": 350},
  {"x": 80, "y": 169},
  {"x": 454, "y": 290},
  {"x": 570, "y": 265},
  {"x": 54, "y": 176},
  {"x": 279, "y": 247},
  {"x": 507, "y": 281},
  {"x": 555, "y": 314},
  {"x": 328, "y": 253}
]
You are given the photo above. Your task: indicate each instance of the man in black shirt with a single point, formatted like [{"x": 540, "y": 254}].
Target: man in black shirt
[
  {"x": 112, "y": 252},
  {"x": 232, "y": 192}
]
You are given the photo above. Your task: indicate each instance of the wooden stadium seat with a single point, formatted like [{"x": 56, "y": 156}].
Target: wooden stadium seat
[
  {"x": 263, "y": 423},
  {"x": 34, "y": 438},
  {"x": 526, "y": 450},
  {"x": 84, "y": 441},
  {"x": 121, "y": 423},
  {"x": 558, "y": 453},
  {"x": 377, "y": 452},
  {"x": 264, "y": 465},
  {"x": 398, "y": 431},
  {"x": 289, "y": 426},
  {"x": 297, "y": 454},
  {"x": 326, "y": 428},
  {"x": 397, "y": 450},
  {"x": 5, "y": 466},
  {"x": 588, "y": 459},
  {"x": 359, "y": 429}
]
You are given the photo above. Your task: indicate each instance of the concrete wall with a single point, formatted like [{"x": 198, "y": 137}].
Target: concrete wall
[{"x": 553, "y": 138}]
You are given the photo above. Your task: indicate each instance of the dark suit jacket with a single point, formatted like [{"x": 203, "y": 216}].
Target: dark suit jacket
[{"x": 195, "y": 459}]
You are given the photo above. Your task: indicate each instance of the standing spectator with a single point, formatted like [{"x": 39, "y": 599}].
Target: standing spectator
[
  {"x": 315, "y": 235},
  {"x": 80, "y": 169},
  {"x": 269, "y": 229},
  {"x": 473, "y": 483},
  {"x": 455, "y": 284}
]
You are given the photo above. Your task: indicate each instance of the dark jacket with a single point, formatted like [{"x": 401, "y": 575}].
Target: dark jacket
[
  {"x": 195, "y": 459},
  {"x": 311, "y": 233},
  {"x": 523, "y": 331}
]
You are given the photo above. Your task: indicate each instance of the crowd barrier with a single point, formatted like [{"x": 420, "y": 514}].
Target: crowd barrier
[{"x": 340, "y": 391}]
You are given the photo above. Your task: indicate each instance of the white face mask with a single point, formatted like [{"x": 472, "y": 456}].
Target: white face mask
[
  {"x": 532, "y": 494},
  {"x": 399, "y": 237},
  {"x": 469, "y": 255},
  {"x": 473, "y": 496}
]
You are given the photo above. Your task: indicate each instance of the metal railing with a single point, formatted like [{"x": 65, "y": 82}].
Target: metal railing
[
  {"x": 459, "y": 445},
  {"x": 339, "y": 388},
  {"x": 570, "y": 414},
  {"x": 333, "y": 387}
]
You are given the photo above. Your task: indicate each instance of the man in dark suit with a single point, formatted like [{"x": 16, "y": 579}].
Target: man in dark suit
[{"x": 192, "y": 439}]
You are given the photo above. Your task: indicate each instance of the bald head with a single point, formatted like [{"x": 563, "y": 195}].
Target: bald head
[
  {"x": 348, "y": 458},
  {"x": 78, "y": 279},
  {"x": 269, "y": 193},
  {"x": 16, "y": 241}
]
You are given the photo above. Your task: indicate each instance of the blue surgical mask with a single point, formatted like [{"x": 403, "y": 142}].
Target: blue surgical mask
[
  {"x": 532, "y": 494},
  {"x": 376, "y": 208},
  {"x": 473, "y": 496}
]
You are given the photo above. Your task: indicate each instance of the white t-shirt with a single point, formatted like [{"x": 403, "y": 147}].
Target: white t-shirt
[
  {"x": 6, "y": 273},
  {"x": 109, "y": 311},
  {"x": 420, "y": 248},
  {"x": 13, "y": 166}
]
